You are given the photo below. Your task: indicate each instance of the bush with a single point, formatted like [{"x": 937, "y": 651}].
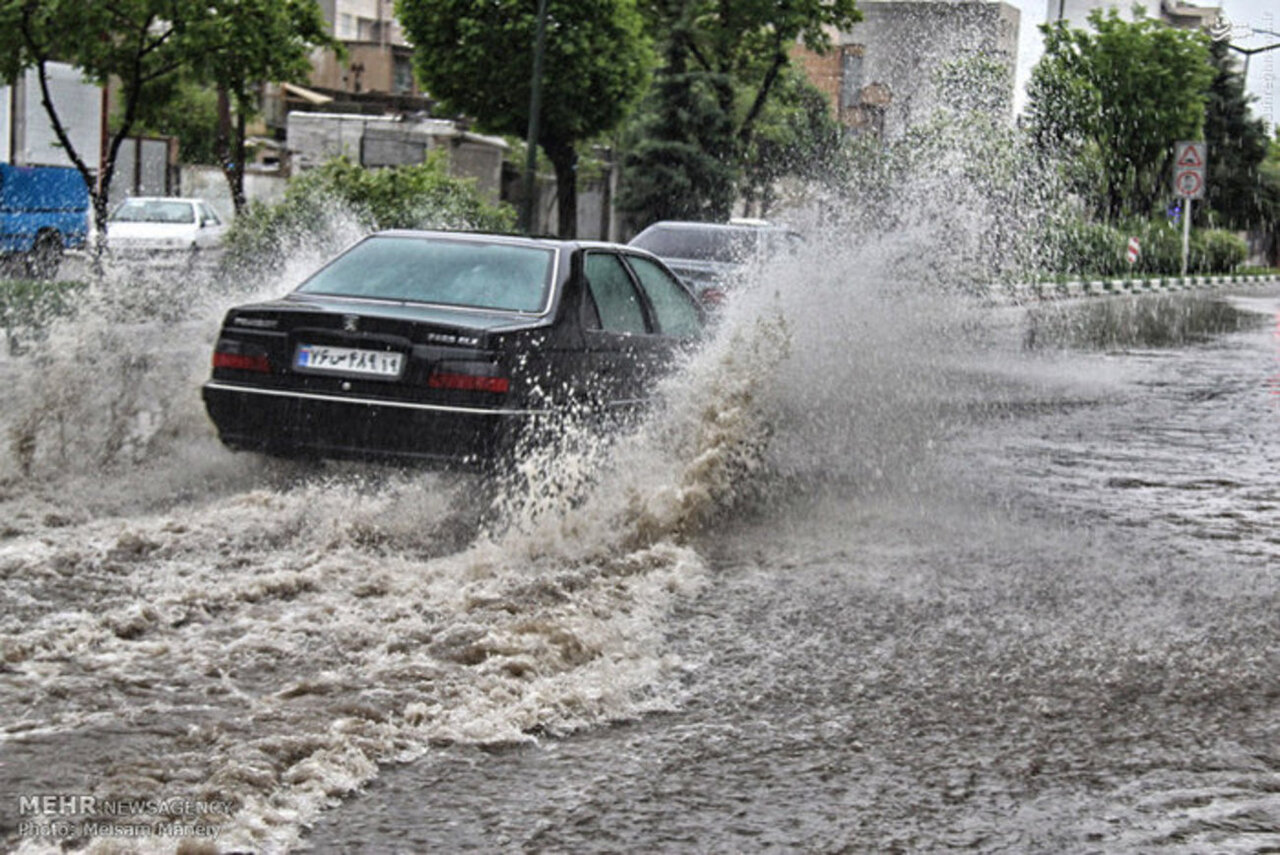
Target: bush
[
  {"x": 1088, "y": 249},
  {"x": 1217, "y": 251},
  {"x": 1161, "y": 247},
  {"x": 332, "y": 204},
  {"x": 1097, "y": 249}
]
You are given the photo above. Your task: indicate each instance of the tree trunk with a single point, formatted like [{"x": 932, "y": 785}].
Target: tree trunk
[
  {"x": 229, "y": 145},
  {"x": 564, "y": 157},
  {"x": 237, "y": 175}
]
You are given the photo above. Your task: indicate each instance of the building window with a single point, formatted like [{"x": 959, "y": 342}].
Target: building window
[
  {"x": 346, "y": 26},
  {"x": 403, "y": 74},
  {"x": 850, "y": 75}
]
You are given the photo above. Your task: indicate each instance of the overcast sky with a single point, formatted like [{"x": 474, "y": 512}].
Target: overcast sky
[{"x": 1246, "y": 17}]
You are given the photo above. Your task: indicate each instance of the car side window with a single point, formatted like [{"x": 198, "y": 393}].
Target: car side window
[
  {"x": 208, "y": 217},
  {"x": 615, "y": 297},
  {"x": 674, "y": 306}
]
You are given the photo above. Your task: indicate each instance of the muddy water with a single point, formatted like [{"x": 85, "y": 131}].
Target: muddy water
[
  {"x": 879, "y": 574},
  {"x": 1050, "y": 626}
]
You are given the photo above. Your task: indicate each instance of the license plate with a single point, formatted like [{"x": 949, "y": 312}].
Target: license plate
[{"x": 348, "y": 360}]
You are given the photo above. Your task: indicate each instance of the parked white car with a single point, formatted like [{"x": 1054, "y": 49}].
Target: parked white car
[{"x": 161, "y": 224}]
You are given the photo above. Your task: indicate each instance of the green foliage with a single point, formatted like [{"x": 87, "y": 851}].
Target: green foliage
[
  {"x": 257, "y": 40},
  {"x": 1091, "y": 249},
  {"x": 476, "y": 57},
  {"x": 748, "y": 42},
  {"x": 1084, "y": 248},
  {"x": 184, "y": 109},
  {"x": 1121, "y": 96},
  {"x": 1218, "y": 251},
  {"x": 724, "y": 64},
  {"x": 1269, "y": 187},
  {"x": 139, "y": 45},
  {"x": 796, "y": 136},
  {"x": 675, "y": 166},
  {"x": 1237, "y": 143},
  {"x": 416, "y": 196}
]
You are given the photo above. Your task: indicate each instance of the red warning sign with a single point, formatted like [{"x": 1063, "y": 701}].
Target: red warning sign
[
  {"x": 1188, "y": 169},
  {"x": 1190, "y": 155},
  {"x": 1189, "y": 184}
]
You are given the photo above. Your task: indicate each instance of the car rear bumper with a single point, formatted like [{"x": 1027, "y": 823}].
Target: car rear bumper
[{"x": 289, "y": 422}]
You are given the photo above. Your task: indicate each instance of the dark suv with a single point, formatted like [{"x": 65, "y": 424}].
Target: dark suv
[{"x": 710, "y": 256}]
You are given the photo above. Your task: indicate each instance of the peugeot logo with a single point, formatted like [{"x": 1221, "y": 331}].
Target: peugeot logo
[{"x": 351, "y": 323}]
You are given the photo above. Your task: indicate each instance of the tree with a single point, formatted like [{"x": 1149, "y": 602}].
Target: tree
[
  {"x": 677, "y": 167},
  {"x": 142, "y": 44},
  {"x": 475, "y": 56},
  {"x": 264, "y": 40},
  {"x": 1269, "y": 191},
  {"x": 185, "y": 109},
  {"x": 1237, "y": 143},
  {"x": 748, "y": 42},
  {"x": 723, "y": 62},
  {"x": 795, "y": 136},
  {"x": 1122, "y": 95},
  {"x": 139, "y": 42}
]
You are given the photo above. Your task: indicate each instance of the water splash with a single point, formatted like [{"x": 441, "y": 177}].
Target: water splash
[{"x": 277, "y": 635}]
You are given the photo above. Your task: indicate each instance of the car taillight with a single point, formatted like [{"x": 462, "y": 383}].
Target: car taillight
[
  {"x": 712, "y": 297},
  {"x": 239, "y": 356},
  {"x": 468, "y": 377}
]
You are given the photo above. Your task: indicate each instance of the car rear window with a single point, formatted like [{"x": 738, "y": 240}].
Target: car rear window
[
  {"x": 154, "y": 211},
  {"x": 701, "y": 244},
  {"x": 440, "y": 270}
]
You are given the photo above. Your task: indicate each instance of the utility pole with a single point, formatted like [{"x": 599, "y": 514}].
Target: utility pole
[{"x": 535, "y": 108}]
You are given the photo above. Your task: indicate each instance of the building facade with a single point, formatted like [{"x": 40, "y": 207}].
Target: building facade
[
  {"x": 379, "y": 58},
  {"x": 883, "y": 76},
  {"x": 1183, "y": 15}
]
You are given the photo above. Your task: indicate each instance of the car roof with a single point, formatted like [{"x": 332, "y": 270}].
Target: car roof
[
  {"x": 162, "y": 199},
  {"x": 512, "y": 239},
  {"x": 728, "y": 227}
]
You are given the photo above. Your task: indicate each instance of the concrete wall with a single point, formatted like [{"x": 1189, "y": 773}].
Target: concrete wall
[
  {"x": 208, "y": 183},
  {"x": 375, "y": 141},
  {"x": 145, "y": 166}
]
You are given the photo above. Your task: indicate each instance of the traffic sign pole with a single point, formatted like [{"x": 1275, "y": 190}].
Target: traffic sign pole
[
  {"x": 1186, "y": 236},
  {"x": 1189, "y": 159}
]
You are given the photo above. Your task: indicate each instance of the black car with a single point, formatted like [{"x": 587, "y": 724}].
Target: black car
[{"x": 445, "y": 346}]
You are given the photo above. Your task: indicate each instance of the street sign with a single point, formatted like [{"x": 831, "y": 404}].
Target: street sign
[
  {"x": 1189, "y": 160},
  {"x": 1189, "y": 184},
  {"x": 1133, "y": 251}
]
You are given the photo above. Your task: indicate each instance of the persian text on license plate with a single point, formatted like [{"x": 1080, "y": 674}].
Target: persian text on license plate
[{"x": 348, "y": 360}]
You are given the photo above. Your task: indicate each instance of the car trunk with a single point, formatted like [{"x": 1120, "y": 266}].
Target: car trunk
[
  {"x": 392, "y": 351},
  {"x": 343, "y": 376}
]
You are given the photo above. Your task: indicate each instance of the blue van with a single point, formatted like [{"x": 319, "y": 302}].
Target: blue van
[{"x": 43, "y": 211}]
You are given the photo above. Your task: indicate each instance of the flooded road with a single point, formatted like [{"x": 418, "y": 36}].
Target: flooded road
[
  {"x": 882, "y": 577},
  {"x": 1057, "y": 635}
]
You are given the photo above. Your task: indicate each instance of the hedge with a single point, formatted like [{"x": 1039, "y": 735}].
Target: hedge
[{"x": 1098, "y": 249}]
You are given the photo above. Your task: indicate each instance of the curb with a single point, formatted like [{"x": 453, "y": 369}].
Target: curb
[{"x": 1038, "y": 292}]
